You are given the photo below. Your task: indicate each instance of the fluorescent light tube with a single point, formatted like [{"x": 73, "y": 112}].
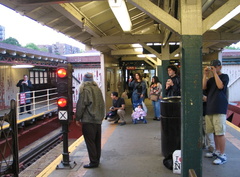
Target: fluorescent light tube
[
  {"x": 225, "y": 19},
  {"x": 120, "y": 11},
  {"x": 22, "y": 66}
]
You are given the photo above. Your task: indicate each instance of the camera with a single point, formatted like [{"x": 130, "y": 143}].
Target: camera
[{"x": 209, "y": 67}]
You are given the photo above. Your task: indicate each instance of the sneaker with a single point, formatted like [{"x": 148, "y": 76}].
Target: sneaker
[
  {"x": 211, "y": 149},
  {"x": 212, "y": 154},
  {"x": 110, "y": 119},
  {"x": 116, "y": 121},
  {"x": 221, "y": 159},
  {"x": 123, "y": 123}
]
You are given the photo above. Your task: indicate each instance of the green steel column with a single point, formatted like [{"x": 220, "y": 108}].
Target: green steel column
[
  {"x": 163, "y": 75},
  {"x": 191, "y": 105}
]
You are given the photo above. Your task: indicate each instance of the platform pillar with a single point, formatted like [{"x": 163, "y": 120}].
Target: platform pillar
[{"x": 191, "y": 113}]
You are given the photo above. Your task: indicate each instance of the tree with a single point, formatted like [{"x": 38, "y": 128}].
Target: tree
[
  {"x": 32, "y": 46},
  {"x": 44, "y": 49},
  {"x": 11, "y": 41}
]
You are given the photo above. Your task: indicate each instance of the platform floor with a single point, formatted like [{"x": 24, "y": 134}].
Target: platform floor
[{"x": 134, "y": 150}]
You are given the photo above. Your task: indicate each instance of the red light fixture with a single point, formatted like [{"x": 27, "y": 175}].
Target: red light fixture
[
  {"x": 62, "y": 102},
  {"x": 62, "y": 72}
]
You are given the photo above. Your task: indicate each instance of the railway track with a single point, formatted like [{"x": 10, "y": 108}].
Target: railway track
[{"x": 37, "y": 152}]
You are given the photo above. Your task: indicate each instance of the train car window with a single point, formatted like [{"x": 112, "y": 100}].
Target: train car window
[
  {"x": 41, "y": 77},
  {"x": 36, "y": 80},
  {"x": 32, "y": 77}
]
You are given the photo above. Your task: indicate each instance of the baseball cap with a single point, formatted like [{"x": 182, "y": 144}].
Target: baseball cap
[
  {"x": 88, "y": 77},
  {"x": 215, "y": 63}
]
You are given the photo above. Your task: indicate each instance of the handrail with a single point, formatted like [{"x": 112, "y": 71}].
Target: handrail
[{"x": 39, "y": 99}]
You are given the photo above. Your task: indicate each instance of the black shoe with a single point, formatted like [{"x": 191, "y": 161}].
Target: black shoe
[
  {"x": 90, "y": 166},
  {"x": 155, "y": 118},
  {"x": 29, "y": 112},
  {"x": 123, "y": 123},
  {"x": 115, "y": 122},
  {"x": 158, "y": 119}
]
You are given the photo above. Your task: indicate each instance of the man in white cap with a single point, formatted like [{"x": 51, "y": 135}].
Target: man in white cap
[
  {"x": 90, "y": 112},
  {"x": 216, "y": 108}
]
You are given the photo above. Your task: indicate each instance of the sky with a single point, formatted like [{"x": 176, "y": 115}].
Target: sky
[{"x": 26, "y": 30}]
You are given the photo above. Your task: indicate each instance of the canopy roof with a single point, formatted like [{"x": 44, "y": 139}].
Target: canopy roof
[{"x": 93, "y": 23}]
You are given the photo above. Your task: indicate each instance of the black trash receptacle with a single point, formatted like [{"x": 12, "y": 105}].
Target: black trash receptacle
[{"x": 170, "y": 124}]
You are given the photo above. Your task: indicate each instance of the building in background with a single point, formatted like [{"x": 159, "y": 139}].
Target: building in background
[
  {"x": 61, "y": 49},
  {"x": 231, "y": 63},
  {"x": 2, "y": 33}
]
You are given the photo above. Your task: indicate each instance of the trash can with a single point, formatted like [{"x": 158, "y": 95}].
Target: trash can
[{"x": 170, "y": 125}]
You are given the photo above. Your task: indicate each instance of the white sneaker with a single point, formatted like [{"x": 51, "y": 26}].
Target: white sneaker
[
  {"x": 221, "y": 159},
  {"x": 212, "y": 154}
]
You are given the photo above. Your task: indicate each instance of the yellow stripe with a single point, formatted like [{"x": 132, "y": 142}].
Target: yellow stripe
[
  {"x": 233, "y": 126},
  {"x": 50, "y": 168},
  {"x": 30, "y": 117}
]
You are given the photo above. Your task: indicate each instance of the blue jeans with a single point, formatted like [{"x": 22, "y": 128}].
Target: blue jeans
[{"x": 156, "y": 108}]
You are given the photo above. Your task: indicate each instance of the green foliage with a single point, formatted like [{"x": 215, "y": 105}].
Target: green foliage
[
  {"x": 43, "y": 49},
  {"x": 32, "y": 46},
  {"x": 232, "y": 48},
  {"x": 11, "y": 41}
]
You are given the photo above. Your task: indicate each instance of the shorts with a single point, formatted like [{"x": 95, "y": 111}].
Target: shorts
[{"x": 216, "y": 123}]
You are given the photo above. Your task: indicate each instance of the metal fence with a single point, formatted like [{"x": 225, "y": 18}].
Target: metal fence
[{"x": 38, "y": 102}]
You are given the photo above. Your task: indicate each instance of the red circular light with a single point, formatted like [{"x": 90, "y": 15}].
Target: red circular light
[
  {"x": 62, "y": 72},
  {"x": 62, "y": 102}
]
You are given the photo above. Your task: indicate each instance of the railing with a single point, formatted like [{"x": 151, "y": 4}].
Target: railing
[
  {"x": 39, "y": 101},
  {"x": 9, "y": 159}
]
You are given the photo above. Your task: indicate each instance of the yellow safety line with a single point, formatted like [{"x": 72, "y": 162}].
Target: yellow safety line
[
  {"x": 50, "y": 168},
  {"x": 29, "y": 118},
  {"x": 233, "y": 126}
]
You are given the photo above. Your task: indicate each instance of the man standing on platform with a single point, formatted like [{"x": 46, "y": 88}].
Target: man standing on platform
[
  {"x": 173, "y": 83},
  {"x": 25, "y": 85},
  {"x": 216, "y": 109},
  {"x": 90, "y": 112}
]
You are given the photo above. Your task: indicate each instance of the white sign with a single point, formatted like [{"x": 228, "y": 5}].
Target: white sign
[
  {"x": 177, "y": 160},
  {"x": 62, "y": 115}
]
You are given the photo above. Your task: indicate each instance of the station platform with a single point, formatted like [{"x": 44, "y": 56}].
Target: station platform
[{"x": 134, "y": 150}]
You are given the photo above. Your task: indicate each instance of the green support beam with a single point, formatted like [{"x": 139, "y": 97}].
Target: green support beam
[
  {"x": 191, "y": 105},
  {"x": 163, "y": 75}
]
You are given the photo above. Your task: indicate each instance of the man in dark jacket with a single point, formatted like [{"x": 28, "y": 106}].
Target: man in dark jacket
[
  {"x": 25, "y": 85},
  {"x": 173, "y": 83},
  {"x": 90, "y": 112}
]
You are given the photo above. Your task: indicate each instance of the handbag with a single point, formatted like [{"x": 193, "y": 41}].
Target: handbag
[{"x": 154, "y": 97}]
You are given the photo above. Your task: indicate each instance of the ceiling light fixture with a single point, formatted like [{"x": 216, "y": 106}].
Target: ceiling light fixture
[
  {"x": 120, "y": 11},
  {"x": 225, "y": 19},
  {"x": 138, "y": 49},
  {"x": 22, "y": 66},
  {"x": 141, "y": 56}
]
